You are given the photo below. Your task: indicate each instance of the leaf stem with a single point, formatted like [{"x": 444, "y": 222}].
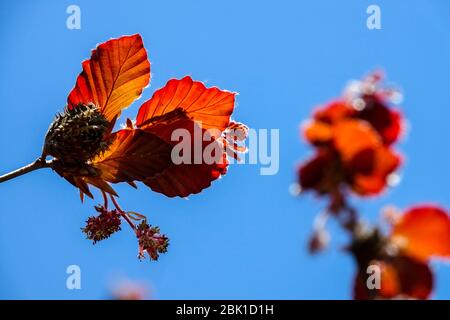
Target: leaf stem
[
  {"x": 38, "y": 164},
  {"x": 123, "y": 213}
]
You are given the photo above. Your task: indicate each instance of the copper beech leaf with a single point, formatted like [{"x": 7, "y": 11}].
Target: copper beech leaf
[
  {"x": 134, "y": 155},
  {"x": 113, "y": 77},
  {"x": 423, "y": 232},
  {"x": 401, "y": 277},
  {"x": 189, "y": 178},
  {"x": 211, "y": 106},
  {"x": 187, "y": 104}
]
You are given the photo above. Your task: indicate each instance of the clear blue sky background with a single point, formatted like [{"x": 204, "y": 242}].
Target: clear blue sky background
[{"x": 245, "y": 237}]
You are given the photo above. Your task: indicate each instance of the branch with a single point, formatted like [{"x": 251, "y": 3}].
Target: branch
[{"x": 38, "y": 164}]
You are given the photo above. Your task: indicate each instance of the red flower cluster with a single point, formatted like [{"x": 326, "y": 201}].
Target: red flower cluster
[
  {"x": 103, "y": 226},
  {"x": 151, "y": 241},
  {"x": 353, "y": 138}
]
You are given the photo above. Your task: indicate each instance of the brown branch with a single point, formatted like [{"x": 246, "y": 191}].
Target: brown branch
[{"x": 38, "y": 164}]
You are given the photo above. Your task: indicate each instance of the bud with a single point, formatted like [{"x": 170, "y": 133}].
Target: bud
[
  {"x": 234, "y": 133},
  {"x": 151, "y": 241},
  {"x": 77, "y": 134},
  {"x": 102, "y": 226},
  {"x": 237, "y": 131}
]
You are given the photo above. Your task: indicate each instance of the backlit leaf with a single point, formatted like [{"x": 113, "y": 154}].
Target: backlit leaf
[
  {"x": 423, "y": 232},
  {"x": 211, "y": 106},
  {"x": 133, "y": 155},
  {"x": 113, "y": 77}
]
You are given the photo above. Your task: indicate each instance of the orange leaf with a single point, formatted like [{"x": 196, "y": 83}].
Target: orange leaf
[
  {"x": 415, "y": 277},
  {"x": 184, "y": 180},
  {"x": 390, "y": 280},
  {"x": 384, "y": 162},
  {"x": 211, "y": 106},
  {"x": 114, "y": 77},
  {"x": 334, "y": 111},
  {"x": 318, "y": 172},
  {"x": 318, "y": 132},
  {"x": 387, "y": 122},
  {"x": 401, "y": 276},
  {"x": 354, "y": 136},
  {"x": 423, "y": 232},
  {"x": 390, "y": 285},
  {"x": 187, "y": 178},
  {"x": 133, "y": 155}
]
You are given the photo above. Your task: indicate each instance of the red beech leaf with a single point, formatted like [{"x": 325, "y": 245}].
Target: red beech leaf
[
  {"x": 113, "y": 77},
  {"x": 386, "y": 121},
  {"x": 188, "y": 178},
  {"x": 385, "y": 162},
  {"x": 185, "y": 104},
  {"x": 353, "y": 136},
  {"x": 334, "y": 111},
  {"x": 401, "y": 277},
  {"x": 184, "y": 180},
  {"x": 211, "y": 106},
  {"x": 133, "y": 155},
  {"x": 423, "y": 232},
  {"x": 318, "y": 172},
  {"x": 318, "y": 132}
]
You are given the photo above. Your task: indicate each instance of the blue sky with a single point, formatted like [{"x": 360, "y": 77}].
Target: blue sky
[{"x": 244, "y": 237}]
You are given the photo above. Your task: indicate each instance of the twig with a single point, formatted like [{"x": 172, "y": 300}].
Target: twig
[
  {"x": 123, "y": 213},
  {"x": 38, "y": 164}
]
